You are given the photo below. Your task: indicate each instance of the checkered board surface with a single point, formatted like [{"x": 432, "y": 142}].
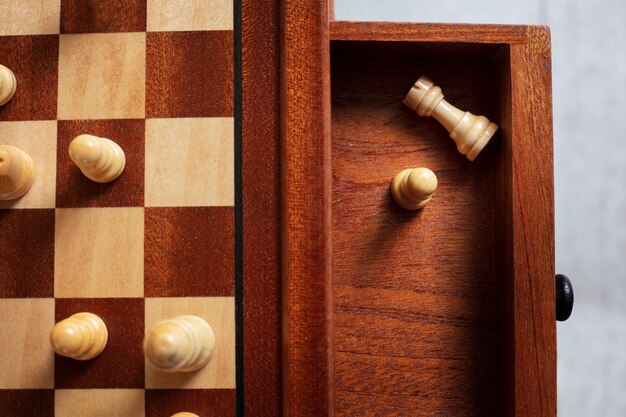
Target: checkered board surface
[{"x": 156, "y": 76}]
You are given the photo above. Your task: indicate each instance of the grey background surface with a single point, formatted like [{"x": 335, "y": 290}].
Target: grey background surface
[{"x": 589, "y": 96}]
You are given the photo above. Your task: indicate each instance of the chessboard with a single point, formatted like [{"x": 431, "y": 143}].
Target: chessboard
[{"x": 157, "y": 77}]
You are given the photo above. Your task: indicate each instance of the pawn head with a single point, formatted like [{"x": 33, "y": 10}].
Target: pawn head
[
  {"x": 163, "y": 345},
  {"x": 421, "y": 182},
  {"x": 85, "y": 150},
  {"x": 66, "y": 338}
]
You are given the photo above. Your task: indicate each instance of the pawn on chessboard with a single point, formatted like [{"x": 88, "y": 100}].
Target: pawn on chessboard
[
  {"x": 100, "y": 159},
  {"x": 181, "y": 344},
  {"x": 82, "y": 336},
  {"x": 8, "y": 85},
  {"x": 16, "y": 172},
  {"x": 413, "y": 188}
]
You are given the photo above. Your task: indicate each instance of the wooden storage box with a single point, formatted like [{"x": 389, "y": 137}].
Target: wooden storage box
[{"x": 448, "y": 311}]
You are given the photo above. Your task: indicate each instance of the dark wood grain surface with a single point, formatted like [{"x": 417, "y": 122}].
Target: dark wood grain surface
[
  {"x": 428, "y": 32},
  {"x": 261, "y": 208},
  {"x": 179, "y": 262},
  {"x": 32, "y": 232},
  {"x": 219, "y": 402},
  {"x": 89, "y": 16},
  {"x": 189, "y": 74},
  {"x": 306, "y": 215},
  {"x": 27, "y": 402},
  {"x": 532, "y": 224},
  {"x": 34, "y": 61},
  {"x": 415, "y": 292}
]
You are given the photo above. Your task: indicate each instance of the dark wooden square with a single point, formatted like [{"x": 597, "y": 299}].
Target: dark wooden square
[
  {"x": 75, "y": 190},
  {"x": 27, "y": 253},
  {"x": 27, "y": 402},
  {"x": 209, "y": 403},
  {"x": 97, "y": 16},
  {"x": 35, "y": 62},
  {"x": 189, "y": 74},
  {"x": 121, "y": 364},
  {"x": 189, "y": 251}
]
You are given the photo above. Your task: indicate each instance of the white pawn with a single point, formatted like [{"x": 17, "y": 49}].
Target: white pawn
[
  {"x": 470, "y": 133},
  {"x": 16, "y": 172},
  {"x": 100, "y": 159},
  {"x": 413, "y": 188},
  {"x": 81, "y": 336},
  {"x": 8, "y": 85},
  {"x": 182, "y": 344},
  {"x": 185, "y": 414}
]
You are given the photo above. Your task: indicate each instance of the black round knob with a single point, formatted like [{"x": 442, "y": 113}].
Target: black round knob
[{"x": 564, "y": 297}]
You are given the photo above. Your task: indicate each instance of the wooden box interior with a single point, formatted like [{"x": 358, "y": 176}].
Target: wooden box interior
[{"x": 420, "y": 311}]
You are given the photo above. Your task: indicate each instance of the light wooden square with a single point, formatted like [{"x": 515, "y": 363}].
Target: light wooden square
[
  {"x": 30, "y": 17},
  {"x": 26, "y": 358},
  {"x": 189, "y": 162},
  {"x": 219, "y": 312},
  {"x": 102, "y": 76},
  {"x": 99, "y": 252},
  {"x": 99, "y": 402},
  {"x": 39, "y": 140},
  {"x": 189, "y": 15}
]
